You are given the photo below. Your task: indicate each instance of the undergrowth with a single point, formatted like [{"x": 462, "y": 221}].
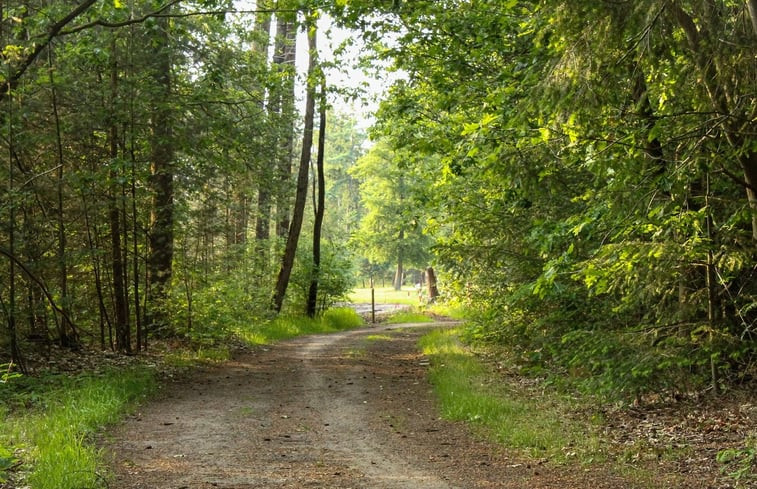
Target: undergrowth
[
  {"x": 540, "y": 427},
  {"x": 285, "y": 327},
  {"x": 406, "y": 317},
  {"x": 47, "y": 424}
]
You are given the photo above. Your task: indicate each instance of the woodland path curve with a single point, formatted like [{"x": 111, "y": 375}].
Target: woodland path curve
[{"x": 348, "y": 410}]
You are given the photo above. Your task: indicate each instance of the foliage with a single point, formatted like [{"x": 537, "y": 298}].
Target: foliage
[
  {"x": 404, "y": 317},
  {"x": 7, "y": 462},
  {"x": 468, "y": 392},
  {"x": 740, "y": 464},
  {"x": 8, "y": 373},
  {"x": 392, "y": 229},
  {"x": 284, "y": 327},
  {"x": 335, "y": 277},
  {"x": 587, "y": 205},
  {"x": 51, "y": 420}
]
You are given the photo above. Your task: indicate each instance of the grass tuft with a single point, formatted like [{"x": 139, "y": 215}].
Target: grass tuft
[
  {"x": 51, "y": 434},
  {"x": 286, "y": 327},
  {"x": 468, "y": 392},
  {"x": 407, "y": 317}
]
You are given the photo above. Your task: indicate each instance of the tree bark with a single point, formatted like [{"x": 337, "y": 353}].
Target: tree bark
[
  {"x": 160, "y": 261},
  {"x": 260, "y": 47},
  {"x": 398, "y": 274},
  {"x": 15, "y": 352},
  {"x": 295, "y": 227},
  {"x": 433, "y": 290},
  {"x": 68, "y": 335},
  {"x": 312, "y": 305},
  {"x": 287, "y": 37},
  {"x": 752, "y": 8}
]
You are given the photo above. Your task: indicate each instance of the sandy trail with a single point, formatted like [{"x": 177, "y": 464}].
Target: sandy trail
[{"x": 350, "y": 410}]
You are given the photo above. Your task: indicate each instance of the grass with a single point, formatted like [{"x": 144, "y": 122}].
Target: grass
[
  {"x": 406, "y": 317},
  {"x": 286, "y": 327},
  {"x": 539, "y": 426},
  {"x": 47, "y": 423},
  {"x": 385, "y": 295}
]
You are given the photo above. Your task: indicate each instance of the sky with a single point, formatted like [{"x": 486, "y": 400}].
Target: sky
[{"x": 347, "y": 75}]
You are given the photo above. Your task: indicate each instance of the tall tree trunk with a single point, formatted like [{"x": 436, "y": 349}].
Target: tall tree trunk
[
  {"x": 260, "y": 48},
  {"x": 122, "y": 326},
  {"x": 68, "y": 335},
  {"x": 160, "y": 261},
  {"x": 312, "y": 304},
  {"x": 288, "y": 40},
  {"x": 398, "y": 274},
  {"x": 96, "y": 269},
  {"x": 136, "y": 228},
  {"x": 15, "y": 352},
  {"x": 295, "y": 227},
  {"x": 433, "y": 290}
]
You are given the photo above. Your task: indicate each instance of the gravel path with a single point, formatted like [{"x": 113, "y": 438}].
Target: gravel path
[{"x": 350, "y": 410}]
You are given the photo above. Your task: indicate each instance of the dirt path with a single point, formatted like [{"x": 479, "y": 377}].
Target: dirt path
[{"x": 351, "y": 410}]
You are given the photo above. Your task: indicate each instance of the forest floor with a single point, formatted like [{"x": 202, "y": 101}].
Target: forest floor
[{"x": 348, "y": 410}]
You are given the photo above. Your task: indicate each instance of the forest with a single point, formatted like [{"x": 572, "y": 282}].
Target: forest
[{"x": 582, "y": 176}]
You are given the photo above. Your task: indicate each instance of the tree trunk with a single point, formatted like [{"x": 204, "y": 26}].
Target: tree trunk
[
  {"x": 287, "y": 37},
  {"x": 15, "y": 352},
  {"x": 295, "y": 227},
  {"x": 398, "y": 275},
  {"x": 122, "y": 326},
  {"x": 260, "y": 47},
  {"x": 160, "y": 261},
  {"x": 433, "y": 291},
  {"x": 319, "y": 209},
  {"x": 67, "y": 335},
  {"x": 717, "y": 90},
  {"x": 752, "y": 7}
]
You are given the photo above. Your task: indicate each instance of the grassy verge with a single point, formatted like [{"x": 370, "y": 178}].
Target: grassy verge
[
  {"x": 46, "y": 425},
  {"x": 541, "y": 426},
  {"x": 285, "y": 327},
  {"x": 406, "y": 317}
]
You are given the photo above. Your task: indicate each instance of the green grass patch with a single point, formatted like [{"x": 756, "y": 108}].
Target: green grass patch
[
  {"x": 47, "y": 424},
  {"x": 378, "y": 337},
  {"x": 539, "y": 425},
  {"x": 406, "y": 317},
  {"x": 385, "y": 295},
  {"x": 185, "y": 358},
  {"x": 450, "y": 310},
  {"x": 286, "y": 327}
]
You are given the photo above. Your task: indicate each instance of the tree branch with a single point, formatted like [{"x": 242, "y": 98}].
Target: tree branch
[
  {"x": 159, "y": 14},
  {"x": 52, "y": 32},
  {"x": 38, "y": 281}
]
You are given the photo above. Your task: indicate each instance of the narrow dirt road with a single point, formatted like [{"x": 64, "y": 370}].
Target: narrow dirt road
[{"x": 350, "y": 410}]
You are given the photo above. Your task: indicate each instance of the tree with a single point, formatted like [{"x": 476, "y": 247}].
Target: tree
[
  {"x": 591, "y": 161},
  {"x": 295, "y": 226},
  {"x": 319, "y": 204},
  {"x": 392, "y": 229}
]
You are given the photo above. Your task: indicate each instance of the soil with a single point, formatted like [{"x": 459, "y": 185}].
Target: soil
[{"x": 350, "y": 410}]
